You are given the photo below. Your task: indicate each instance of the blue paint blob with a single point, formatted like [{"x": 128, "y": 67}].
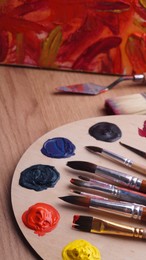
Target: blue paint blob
[{"x": 58, "y": 147}]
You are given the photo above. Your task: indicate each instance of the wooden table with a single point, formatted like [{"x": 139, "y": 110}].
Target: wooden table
[{"x": 29, "y": 107}]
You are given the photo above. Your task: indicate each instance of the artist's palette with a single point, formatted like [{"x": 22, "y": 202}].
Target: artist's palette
[{"x": 50, "y": 245}]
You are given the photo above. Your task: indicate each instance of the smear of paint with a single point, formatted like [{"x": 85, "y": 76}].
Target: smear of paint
[
  {"x": 50, "y": 47},
  {"x": 101, "y": 46},
  {"x": 81, "y": 35},
  {"x": 41, "y": 217},
  {"x": 39, "y": 177},
  {"x": 135, "y": 49},
  {"x": 16, "y": 25},
  {"x": 4, "y": 43},
  {"x": 142, "y": 132},
  {"x": 58, "y": 147},
  {"x": 86, "y": 88},
  {"x": 105, "y": 131},
  {"x": 115, "y": 7},
  {"x": 80, "y": 250}
]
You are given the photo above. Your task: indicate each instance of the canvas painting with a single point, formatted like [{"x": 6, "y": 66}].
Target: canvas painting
[{"x": 80, "y": 35}]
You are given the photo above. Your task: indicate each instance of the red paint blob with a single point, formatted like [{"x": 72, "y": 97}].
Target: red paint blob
[
  {"x": 142, "y": 132},
  {"x": 41, "y": 217}
]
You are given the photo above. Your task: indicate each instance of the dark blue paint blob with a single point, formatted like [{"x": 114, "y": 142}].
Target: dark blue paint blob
[
  {"x": 58, "y": 147},
  {"x": 106, "y": 132},
  {"x": 39, "y": 177}
]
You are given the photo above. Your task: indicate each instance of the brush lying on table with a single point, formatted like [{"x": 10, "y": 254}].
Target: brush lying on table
[
  {"x": 120, "y": 208},
  {"x": 123, "y": 160},
  {"x": 94, "y": 89},
  {"x": 109, "y": 189},
  {"x": 117, "y": 177},
  {"x": 127, "y": 104},
  {"x": 101, "y": 226}
]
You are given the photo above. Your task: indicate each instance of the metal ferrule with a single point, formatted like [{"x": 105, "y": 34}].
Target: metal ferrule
[
  {"x": 119, "y": 193},
  {"x": 119, "y": 158},
  {"x": 128, "y": 162},
  {"x": 127, "y": 195},
  {"x": 138, "y": 233},
  {"x": 116, "y": 192},
  {"x": 138, "y": 77},
  {"x": 101, "y": 226},
  {"x": 119, "y": 177},
  {"x": 134, "y": 183},
  {"x": 129, "y": 210},
  {"x": 100, "y": 186}
]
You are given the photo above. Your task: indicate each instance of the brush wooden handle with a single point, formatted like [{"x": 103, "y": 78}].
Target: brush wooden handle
[
  {"x": 144, "y": 80},
  {"x": 143, "y": 186},
  {"x": 139, "y": 168},
  {"x": 143, "y": 215},
  {"x": 144, "y": 234}
]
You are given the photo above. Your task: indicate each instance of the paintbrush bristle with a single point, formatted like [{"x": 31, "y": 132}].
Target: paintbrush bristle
[
  {"x": 83, "y": 223},
  {"x": 77, "y": 200},
  {"x": 76, "y": 182},
  {"x": 76, "y": 191},
  {"x": 133, "y": 149},
  {"x": 84, "y": 178},
  {"x": 82, "y": 166},
  {"x": 94, "y": 149},
  {"x": 82, "y": 220},
  {"x": 81, "y": 228},
  {"x": 80, "y": 183},
  {"x": 88, "y": 223}
]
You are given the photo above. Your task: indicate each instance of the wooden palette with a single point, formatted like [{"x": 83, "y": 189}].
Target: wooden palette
[{"x": 50, "y": 245}]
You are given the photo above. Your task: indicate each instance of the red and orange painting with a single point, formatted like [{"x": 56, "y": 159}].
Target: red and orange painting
[{"x": 90, "y": 35}]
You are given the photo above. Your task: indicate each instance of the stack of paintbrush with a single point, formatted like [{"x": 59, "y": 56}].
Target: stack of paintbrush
[{"x": 127, "y": 198}]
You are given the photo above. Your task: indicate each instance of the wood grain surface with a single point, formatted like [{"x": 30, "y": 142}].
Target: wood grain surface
[{"x": 28, "y": 109}]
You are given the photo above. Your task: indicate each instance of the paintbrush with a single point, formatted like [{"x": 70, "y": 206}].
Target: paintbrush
[
  {"x": 135, "y": 150},
  {"x": 90, "y": 195},
  {"x": 121, "y": 208},
  {"x": 109, "y": 189},
  {"x": 117, "y": 177},
  {"x": 101, "y": 226},
  {"x": 94, "y": 89},
  {"x": 127, "y": 104},
  {"x": 119, "y": 158}
]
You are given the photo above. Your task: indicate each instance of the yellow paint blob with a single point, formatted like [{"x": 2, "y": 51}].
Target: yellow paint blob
[{"x": 80, "y": 250}]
